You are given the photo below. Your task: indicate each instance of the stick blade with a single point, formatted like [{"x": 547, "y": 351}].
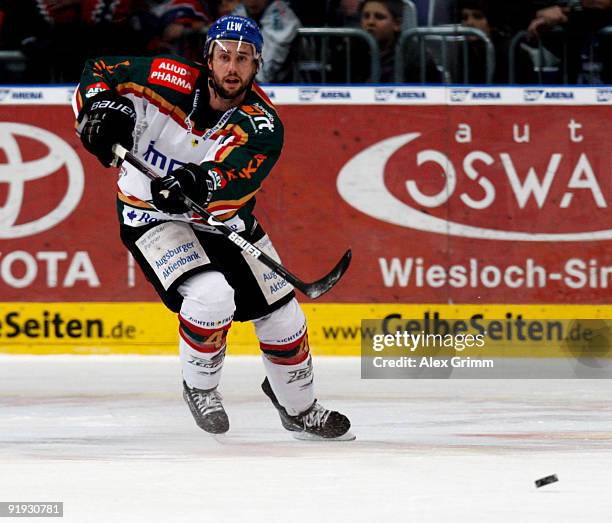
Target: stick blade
[{"x": 318, "y": 288}]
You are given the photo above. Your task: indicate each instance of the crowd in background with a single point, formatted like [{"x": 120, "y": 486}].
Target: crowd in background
[{"x": 44, "y": 41}]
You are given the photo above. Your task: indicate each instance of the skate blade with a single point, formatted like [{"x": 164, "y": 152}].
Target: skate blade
[
  {"x": 306, "y": 436},
  {"x": 216, "y": 432}
]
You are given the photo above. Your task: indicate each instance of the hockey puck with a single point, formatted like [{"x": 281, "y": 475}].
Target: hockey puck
[{"x": 546, "y": 480}]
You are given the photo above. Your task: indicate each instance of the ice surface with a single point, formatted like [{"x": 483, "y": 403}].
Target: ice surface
[{"x": 112, "y": 439}]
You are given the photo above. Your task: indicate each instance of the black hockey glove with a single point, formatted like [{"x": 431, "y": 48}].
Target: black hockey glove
[
  {"x": 189, "y": 180},
  {"x": 110, "y": 119}
]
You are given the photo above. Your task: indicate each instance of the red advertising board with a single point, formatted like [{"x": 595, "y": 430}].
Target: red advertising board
[{"x": 440, "y": 204}]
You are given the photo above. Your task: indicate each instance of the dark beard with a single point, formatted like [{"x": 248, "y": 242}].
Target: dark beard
[{"x": 223, "y": 93}]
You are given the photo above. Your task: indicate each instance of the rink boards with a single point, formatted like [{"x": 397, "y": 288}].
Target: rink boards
[
  {"x": 480, "y": 196},
  {"x": 334, "y": 329}
]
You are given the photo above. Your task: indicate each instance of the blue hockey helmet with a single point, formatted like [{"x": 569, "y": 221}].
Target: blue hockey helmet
[{"x": 238, "y": 28}]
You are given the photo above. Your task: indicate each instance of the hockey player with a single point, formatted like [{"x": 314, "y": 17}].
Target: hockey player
[{"x": 215, "y": 136}]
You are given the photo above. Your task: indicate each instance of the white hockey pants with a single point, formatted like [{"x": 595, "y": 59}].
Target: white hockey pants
[{"x": 204, "y": 320}]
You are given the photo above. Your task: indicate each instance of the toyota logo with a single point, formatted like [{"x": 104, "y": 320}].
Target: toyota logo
[{"x": 16, "y": 172}]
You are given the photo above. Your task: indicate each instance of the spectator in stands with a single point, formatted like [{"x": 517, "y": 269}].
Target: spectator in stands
[
  {"x": 107, "y": 28},
  {"x": 36, "y": 29},
  {"x": 279, "y": 26},
  {"x": 181, "y": 24},
  {"x": 58, "y": 35},
  {"x": 581, "y": 20},
  {"x": 478, "y": 14},
  {"x": 554, "y": 13},
  {"x": 383, "y": 20}
]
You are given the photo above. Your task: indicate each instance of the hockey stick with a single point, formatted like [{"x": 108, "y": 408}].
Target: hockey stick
[{"x": 312, "y": 290}]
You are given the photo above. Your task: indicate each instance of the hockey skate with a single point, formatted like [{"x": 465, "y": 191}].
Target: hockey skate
[
  {"x": 207, "y": 409},
  {"x": 316, "y": 423}
]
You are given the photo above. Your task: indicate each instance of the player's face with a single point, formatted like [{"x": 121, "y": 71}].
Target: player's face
[
  {"x": 233, "y": 67},
  {"x": 377, "y": 20}
]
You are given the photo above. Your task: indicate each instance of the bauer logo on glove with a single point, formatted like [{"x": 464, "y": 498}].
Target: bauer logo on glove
[{"x": 106, "y": 119}]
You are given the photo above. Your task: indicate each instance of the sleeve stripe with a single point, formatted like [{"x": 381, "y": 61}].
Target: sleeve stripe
[
  {"x": 263, "y": 95},
  {"x": 223, "y": 206}
]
